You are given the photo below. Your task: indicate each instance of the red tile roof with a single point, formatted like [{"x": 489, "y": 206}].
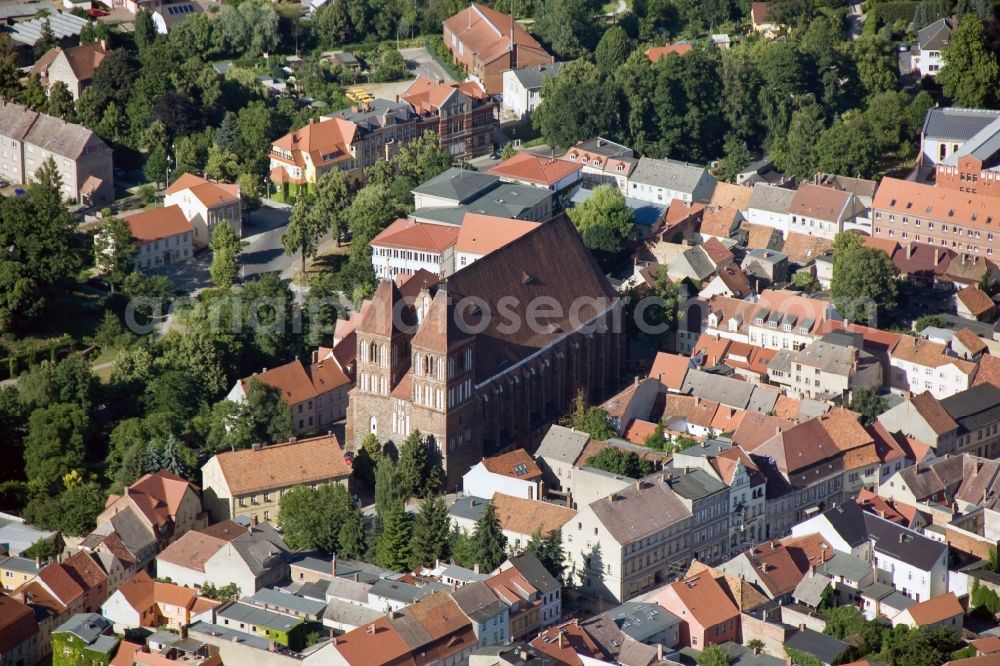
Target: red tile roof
[
  {"x": 158, "y": 495},
  {"x": 508, "y": 464},
  {"x": 566, "y": 642},
  {"x": 760, "y": 12},
  {"x": 525, "y": 516},
  {"x": 931, "y": 410},
  {"x": 209, "y": 193},
  {"x": 976, "y": 300},
  {"x": 158, "y": 223},
  {"x": 935, "y": 610},
  {"x": 971, "y": 341},
  {"x": 374, "y": 643},
  {"x": 702, "y": 597},
  {"x": 488, "y": 33},
  {"x": 483, "y": 234},
  {"x": 325, "y": 142},
  {"x": 716, "y": 251},
  {"x": 543, "y": 170},
  {"x": 305, "y": 461},
  {"x": 298, "y": 382},
  {"x": 656, "y": 53},
  {"x": 638, "y": 431},
  {"x": 192, "y": 550},
  {"x": 427, "y": 96},
  {"x": 406, "y": 233},
  {"x": 670, "y": 369},
  {"x": 938, "y": 203},
  {"x": 17, "y": 624},
  {"x": 989, "y": 370}
]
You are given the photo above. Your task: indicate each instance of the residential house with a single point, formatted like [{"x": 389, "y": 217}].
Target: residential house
[
  {"x": 817, "y": 210},
  {"x": 166, "y": 505},
  {"x": 488, "y": 43},
  {"x": 770, "y": 206},
  {"x": 670, "y": 370},
  {"x": 762, "y": 20},
  {"x": 568, "y": 643},
  {"x": 943, "y": 611},
  {"x": 965, "y": 422},
  {"x": 350, "y": 140},
  {"x": 642, "y": 622},
  {"x": 973, "y": 303},
  {"x": 635, "y": 539},
  {"x": 85, "y": 637},
  {"x": 926, "y": 59},
  {"x": 747, "y": 487},
  {"x": 490, "y": 617},
  {"x": 522, "y": 87},
  {"x": 16, "y": 571},
  {"x": 316, "y": 393},
  {"x": 707, "y": 499},
  {"x": 268, "y": 623},
  {"x": 557, "y": 454},
  {"x": 946, "y": 129},
  {"x": 514, "y": 473},
  {"x": 434, "y": 631},
  {"x": 250, "y": 483},
  {"x": 918, "y": 365},
  {"x": 527, "y": 568},
  {"x": 634, "y": 402},
  {"x": 205, "y": 204},
  {"x": 719, "y": 222},
  {"x": 781, "y": 320},
  {"x": 191, "y": 652},
  {"x": 661, "y": 181},
  {"x": 164, "y": 237},
  {"x": 778, "y": 567},
  {"x": 520, "y": 518},
  {"x": 463, "y": 115},
  {"x": 911, "y": 563},
  {"x": 764, "y": 267},
  {"x": 825, "y": 369},
  {"x": 142, "y": 602},
  {"x": 701, "y": 262},
  {"x": 73, "y": 66},
  {"x": 19, "y": 637},
  {"x": 82, "y": 159},
  {"x": 543, "y": 171},
  {"x": 604, "y": 161},
  {"x": 708, "y": 616},
  {"x": 525, "y": 601},
  {"x": 657, "y": 53},
  {"x": 253, "y": 559}
]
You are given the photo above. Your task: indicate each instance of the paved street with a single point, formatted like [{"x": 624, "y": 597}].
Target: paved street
[{"x": 262, "y": 251}]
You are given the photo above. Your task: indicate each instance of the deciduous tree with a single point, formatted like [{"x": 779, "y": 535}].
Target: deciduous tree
[
  {"x": 864, "y": 280},
  {"x": 970, "y": 76},
  {"x": 225, "y": 252}
]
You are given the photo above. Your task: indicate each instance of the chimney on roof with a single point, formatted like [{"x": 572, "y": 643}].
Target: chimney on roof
[
  {"x": 659, "y": 652},
  {"x": 937, "y": 255},
  {"x": 371, "y": 629},
  {"x": 475, "y": 567},
  {"x": 902, "y": 537},
  {"x": 560, "y": 639},
  {"x": 909, "y": 250},
  {"x": 272, "y": 646}
]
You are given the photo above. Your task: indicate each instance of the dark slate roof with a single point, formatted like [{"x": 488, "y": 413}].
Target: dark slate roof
[
  {"x": 975, "y": 407},
  {"x": 827, "y": 648},
  {"x": 771, "y": 199},
  {"x": 532, "y": 77},
  {"x": 695, "y": 484},
  {"x": 668, "y": 174},
  {"x": 902, "y": 543},
  {"x": 457, "y": 184},
  {"x": 399, "y": 591},
  {"x": 478, "y": 602},
  {"x": 957, "y": 123},
  {"x": 934, "y": 37},
  {"x": 534, "y": 572},
  {"x": 563, "y": 444},
  {"x": 469, "y": 507},
  {"x": 241, "y": 612},
  {"x": 379, "y": 113},
  {"x": 846, "y": 519},
  {"x": 85, "y": 626}
]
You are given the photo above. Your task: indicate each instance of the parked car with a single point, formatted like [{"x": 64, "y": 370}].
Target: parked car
[
  {"x": 94, "y": 12},
  {"x": 349, "y": 458}
]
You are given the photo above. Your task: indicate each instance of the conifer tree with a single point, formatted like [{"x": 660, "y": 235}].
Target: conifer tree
[
  {"x": 413, "y": 463},
  {"x": 389, "y": 490},
  {"x": 352, "y": 535},
  {"x": 488, "y": 541},
  {"x": 431, "y": 532},
  {"x": 395, "y": 545}
]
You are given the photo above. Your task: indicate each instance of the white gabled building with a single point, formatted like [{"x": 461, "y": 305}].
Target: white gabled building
[{"x": 205, "y": 204}]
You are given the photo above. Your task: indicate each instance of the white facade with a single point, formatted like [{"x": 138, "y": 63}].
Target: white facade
[
  {"x": 517, "y": 99},
  {"x": 121, "y": 613},
  {"x": 389, "y": 262},
  {"x": 480, "y": 482},
  {"x": 164, "y": 251},
  {"x": 927, "y": 63},
  {"x": 204, "y": 218},
  {"x": 942, "y": 381},
  {"x": 767, "y": 218}
]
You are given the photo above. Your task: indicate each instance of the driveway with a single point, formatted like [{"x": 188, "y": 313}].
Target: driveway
[
  {"x": 262, "y": 248},
  {"x": 420, "y": 63}
]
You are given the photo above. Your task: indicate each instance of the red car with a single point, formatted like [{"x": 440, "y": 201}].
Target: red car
[
  {"x": 349, "y": 458},
  {"x": 94, "y": 12}
]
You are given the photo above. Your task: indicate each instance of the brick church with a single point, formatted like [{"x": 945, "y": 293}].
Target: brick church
[{"x": 461, "y": 364}]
